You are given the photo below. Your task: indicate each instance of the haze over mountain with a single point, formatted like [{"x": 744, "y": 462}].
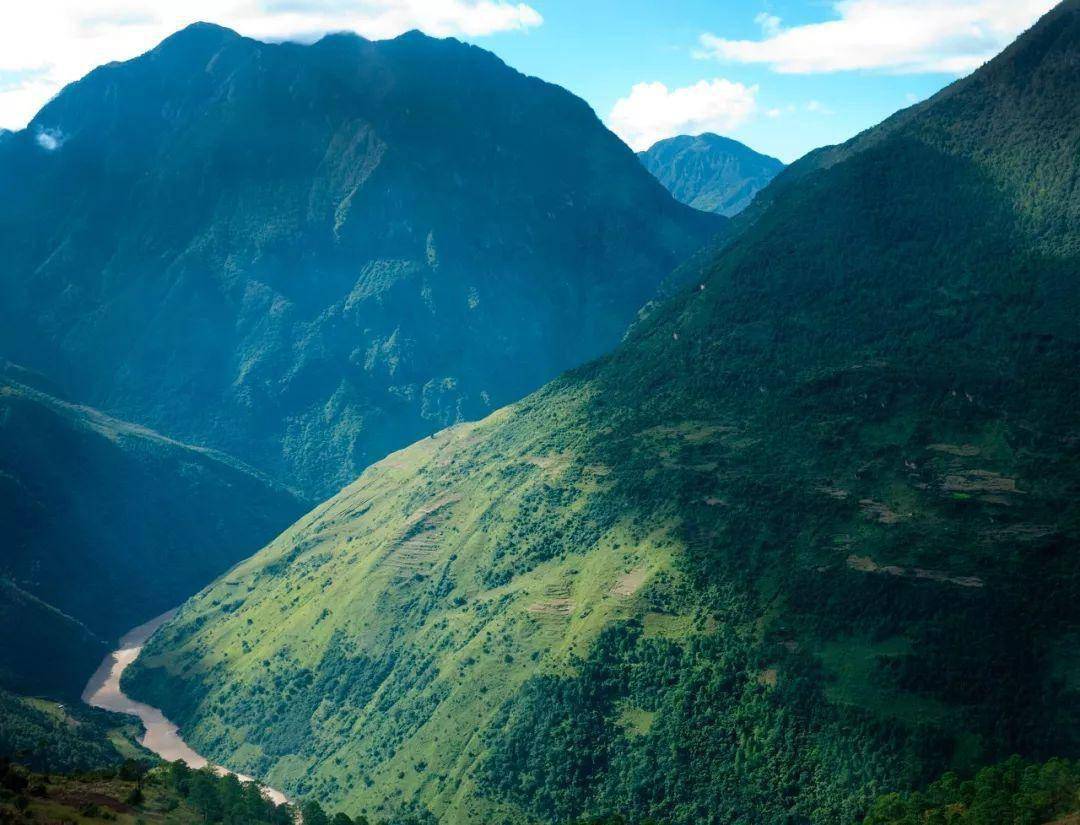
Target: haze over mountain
[
  {"x": 810, "y": 533},
  {"x": 709, "y": 172},
  {"x": 308, "y": 256}
]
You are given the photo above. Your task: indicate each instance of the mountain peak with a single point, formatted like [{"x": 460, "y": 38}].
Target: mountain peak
[
  {"x": 199, "y": 34},
  {"x": 710, "y": 172}
]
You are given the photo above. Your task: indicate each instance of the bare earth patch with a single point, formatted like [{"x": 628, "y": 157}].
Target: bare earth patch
[
  {"x": 960, "y": 450},
  {"x": 83, "y": 798},
  {"x": 629, "y": 583},
  {"x": 767, "y": 677},
  {"x": 979, "y": 481},
  {"x": 865, "y": 564},
  {"x": 832, "y": 492},
  {"x": 557, "y": 608},
  {"x": 1020, "y": 532},
  {"x": 879, "y": 512}
]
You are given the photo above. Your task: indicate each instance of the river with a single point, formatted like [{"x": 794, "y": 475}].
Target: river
[{"x": 162, "y": 736}]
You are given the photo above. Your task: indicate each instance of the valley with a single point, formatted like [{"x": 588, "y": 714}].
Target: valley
[
  {"x": 161, "y": 736},
  {"x": 479, "y": 470},
  {"x": 686, "y": 575}
]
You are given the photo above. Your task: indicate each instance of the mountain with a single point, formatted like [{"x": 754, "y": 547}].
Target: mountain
[
  {"x": 49, "y": 736},
  {"x": 107, "y": 524},
  {"x": 709, "y": 172},
  {"x": 1013, "y": 791},
  {"x": 52, "y": 654},
  {"x": 807, "y": 536},
  {"x": 309, "y": 256}
]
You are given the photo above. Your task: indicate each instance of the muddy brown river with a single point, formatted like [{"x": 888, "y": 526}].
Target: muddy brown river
[{"x": 162, "y": 736}]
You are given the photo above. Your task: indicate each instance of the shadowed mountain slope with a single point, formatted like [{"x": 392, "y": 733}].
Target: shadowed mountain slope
[
  {"x": 107, "y": 524},
  {"x": 810, "y": 534},
  {"x": 309, "y": 256}
]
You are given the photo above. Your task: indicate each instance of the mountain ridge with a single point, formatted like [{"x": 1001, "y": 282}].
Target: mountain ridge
[
  {"x": 313, "y": 308},
  {"x": 143, "y": 518},
  {"x": 806, "y": 536}
]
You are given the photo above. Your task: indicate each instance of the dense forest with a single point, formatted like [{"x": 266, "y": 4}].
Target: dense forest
[{"x": 1014, "y": 792}]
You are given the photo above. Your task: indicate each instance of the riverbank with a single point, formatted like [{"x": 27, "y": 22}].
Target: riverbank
[{"x": 162, "y": 736}]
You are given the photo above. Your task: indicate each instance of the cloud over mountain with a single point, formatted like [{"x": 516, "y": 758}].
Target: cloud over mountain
[
  {"x": 100, "y": 32},
  {"x": 652, "y": 111}
]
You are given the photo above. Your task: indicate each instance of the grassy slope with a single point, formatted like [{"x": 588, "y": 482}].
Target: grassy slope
[
  {"x": 51, "y": 736},
  {"x": 434, "y": 518},
  {"x": 832, "y": 491}
]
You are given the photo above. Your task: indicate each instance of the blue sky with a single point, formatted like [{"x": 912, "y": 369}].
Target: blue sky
[
  {"x": 601, "y": 48},
  {"x": 783, "y": 76}
]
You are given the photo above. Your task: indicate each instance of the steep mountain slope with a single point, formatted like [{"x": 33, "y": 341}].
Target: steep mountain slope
[
  {"x": 809, "y": 535},
  {"x": 51, "y": 653},
  {"x": 107, "y": 524},
  {"x": 50, "y": 736},
  {"x": 709, "y": 172},
  {"x": 308, "y": 256},
  {"x": 1013, "y": 791}
]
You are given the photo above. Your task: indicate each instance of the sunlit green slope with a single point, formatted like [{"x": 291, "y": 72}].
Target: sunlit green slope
[{"x": 809, "y": 535}]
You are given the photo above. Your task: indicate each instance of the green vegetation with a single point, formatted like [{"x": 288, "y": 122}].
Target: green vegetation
[
  {"x": 47, "y": 735},
  {"x": 709, "y": 172},
  {"x": 138, "y": 792},
  {"x": 106, "y": 524},
  {"x": 1016, "y": 792},
  {"x": 807, "y": 537},
  {"x": 132, "y": 793},
  {"x": 435, "y": 235}
]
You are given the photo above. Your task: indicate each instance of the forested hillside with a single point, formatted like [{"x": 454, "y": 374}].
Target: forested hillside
[
  {"x": 106, "y": 524},
  {"x": 807, "y": 537},
  {"x": 310, "y": 256},
  {"x": 710, "y": 172},
  {"x": 1014, "y": 791}
]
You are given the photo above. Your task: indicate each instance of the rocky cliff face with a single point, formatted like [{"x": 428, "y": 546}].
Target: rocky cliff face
[{"x": 309, "y": 256}]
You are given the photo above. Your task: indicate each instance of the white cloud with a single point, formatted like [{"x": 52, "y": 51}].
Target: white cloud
[
  {"x": 652, "y": 112},
  {"x": 896, "y": 36},
  {"x": 49, "y": 139},
  {"x": 48, "y": 43},
  {"x": 818, "y": 108},
  {"x": 770, "y": 23}
]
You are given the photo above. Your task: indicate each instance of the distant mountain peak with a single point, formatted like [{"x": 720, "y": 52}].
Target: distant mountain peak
[
  {"x": 710, "y": 172},
  {"x": 199, "y": 34}
]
